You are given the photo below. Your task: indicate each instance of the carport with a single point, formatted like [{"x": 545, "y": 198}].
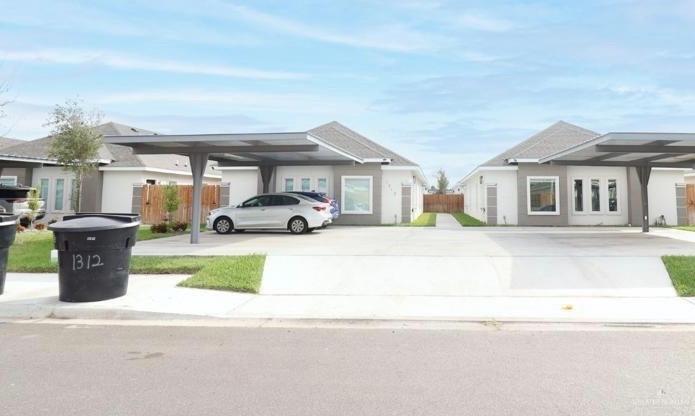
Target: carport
[
  {"x": 643, "y": 151},
  {"x": 263, "y": 150}
]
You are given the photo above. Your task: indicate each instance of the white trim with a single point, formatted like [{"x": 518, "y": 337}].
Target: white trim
[
  {"x": 557, "y": 195},
  {"x": 152, "y": 170},
  {"x": 320, "y": 142},
  {"x": 376, "y": 160},
  {"x": 485, "y": 168},
  {"x": 236, "y": 167},
  {"x": 417, "y": 169},
  {"x": 530, "y": 160},
  {"x": 371, "y": 195}
]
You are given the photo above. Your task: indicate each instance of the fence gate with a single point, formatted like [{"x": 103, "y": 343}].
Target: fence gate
[
  {"x": 689, "y": 203},
  {"x": 443, "y": 203},
  {"x": 149, "y": 201}
]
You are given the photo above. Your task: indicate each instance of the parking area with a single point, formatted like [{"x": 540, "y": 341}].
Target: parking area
[{"x": 430, "y": 261}]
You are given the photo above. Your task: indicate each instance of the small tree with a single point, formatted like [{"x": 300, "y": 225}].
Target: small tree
[
  {"x": 171, "y": 200},
  {"x": 442, "y": 182},
  {"x": 76, "y": 142},
  {"x": 33, "y": 205}
]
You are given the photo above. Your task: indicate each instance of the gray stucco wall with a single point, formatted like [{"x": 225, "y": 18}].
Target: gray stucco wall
[
  {"x": 23, "y": 175},
  {"x": 532, "y": 169},
  {"x": 634, "y": 198},
  {"x": 92, "y": 184},
  {"x": 369, "y": 169}
]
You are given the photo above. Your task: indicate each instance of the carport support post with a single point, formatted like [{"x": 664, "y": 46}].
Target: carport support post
[
  {"x": 643, "y": 173},
  {"x": 198, "y": 164},
  {"x": 266, "y": 175}
]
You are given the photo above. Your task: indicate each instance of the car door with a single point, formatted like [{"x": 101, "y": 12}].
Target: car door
[
  {"x": 253, "y": 213},
  {"x": 283, "y": 207}
]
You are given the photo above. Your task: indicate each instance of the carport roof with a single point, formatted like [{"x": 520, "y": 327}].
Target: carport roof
[
  {"x": 242, "y": 149},
  {"x": 667, "y": 150}
]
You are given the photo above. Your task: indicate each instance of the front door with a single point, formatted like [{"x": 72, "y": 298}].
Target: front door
[{"x": 492, "y": 204}]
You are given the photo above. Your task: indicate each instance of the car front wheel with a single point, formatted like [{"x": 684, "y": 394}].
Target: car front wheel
[
  {"x": 223, "y": 225},
  {"x": 298, "y": 225}
]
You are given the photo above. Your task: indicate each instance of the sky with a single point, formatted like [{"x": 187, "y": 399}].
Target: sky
[{"x": 448, "y": 84}]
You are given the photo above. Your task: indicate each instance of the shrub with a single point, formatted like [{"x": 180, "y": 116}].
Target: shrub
[
  {"x": 25, "y": 221},
  {"x": 21, "y": 228},
  {"x": 40, "y": 226},
  {"x": 162, "y": 227},
  {"x": 179, "y": 226}
]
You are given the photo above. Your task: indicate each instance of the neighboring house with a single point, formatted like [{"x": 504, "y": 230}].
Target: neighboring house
[
  {"x": 513, "y": 188},
  {"x": 8, "y": 179},
  {"x": 110, "y": 188},
  {"x": 381, "y": 187}
]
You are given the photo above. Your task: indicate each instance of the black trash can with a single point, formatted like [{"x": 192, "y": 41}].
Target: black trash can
[
  {"x": 8, "y": 229},
  {"x": 94, "y": 255}
]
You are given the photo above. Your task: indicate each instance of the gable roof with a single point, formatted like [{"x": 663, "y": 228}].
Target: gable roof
[
  {"x": 337, "y": 135},
  {"x": 118, "y": 156},
  {"x": 556, "y": 138},
  {"x": 7, "y": 142}
]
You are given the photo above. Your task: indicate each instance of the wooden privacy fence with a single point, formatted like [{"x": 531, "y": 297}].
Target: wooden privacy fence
[
  {"x": 443, "y": 203},
  {"x": 152, "y": 209}
]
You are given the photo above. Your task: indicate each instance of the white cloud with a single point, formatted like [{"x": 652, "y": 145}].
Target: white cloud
[
  {"x": 391, "y": 37},
  {"x": 115, "y": 60},
  {"x": 285, "y": 103}
]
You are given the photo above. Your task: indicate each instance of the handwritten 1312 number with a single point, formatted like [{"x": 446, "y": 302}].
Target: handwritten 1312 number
[{"x": 89, "y": 261}]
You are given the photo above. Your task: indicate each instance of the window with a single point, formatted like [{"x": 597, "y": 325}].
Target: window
[
  {"x": 8, "y": 180},
  {"x": 323, "y": 185},
  {"x": 151, "y": 181},
  {"x": 612, "y": 195},
  {"x": 579, "y": 195},
  {"x": 357, "y": 194},
  {"x": 289, "y": 184},
  {"x": 306, "y": 184},
  {"x": 43, "y": 190},
  {"x": 595, "y": 195},
  {"x": 284, "y": 200},
  {"x": 258, "y": 201},
  {"x": 59, "y": 194},
  {"x": 543, "y": 195}
]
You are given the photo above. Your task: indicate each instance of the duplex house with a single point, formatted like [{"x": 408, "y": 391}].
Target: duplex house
[
  {"x": 109, "y": 189},
  {"x": 380, "y": 187},
  {"x": 514, "y": 188}
]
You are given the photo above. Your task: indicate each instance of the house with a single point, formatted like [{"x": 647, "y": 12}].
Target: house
[
  {"x": 379, "y": 186},
  {"x": 514, "y": 188},
  {"x": 109, "y": 189},
  {"x": 8, "y": 180}
]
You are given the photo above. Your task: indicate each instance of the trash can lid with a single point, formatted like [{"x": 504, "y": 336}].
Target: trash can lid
[
  {"x": 101, "y": 223},
  {"x": 8, "y": 219}
]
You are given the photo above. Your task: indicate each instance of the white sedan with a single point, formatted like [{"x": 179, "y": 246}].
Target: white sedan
[{"x": 295, "y": 213}]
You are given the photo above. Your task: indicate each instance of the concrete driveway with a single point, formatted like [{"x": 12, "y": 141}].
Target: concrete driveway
[{"x": 480, "y": 261}]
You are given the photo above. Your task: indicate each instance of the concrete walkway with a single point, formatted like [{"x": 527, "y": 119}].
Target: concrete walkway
[
  {"x": 34, "y": 296},
  {"x": 447, "y": 222}
]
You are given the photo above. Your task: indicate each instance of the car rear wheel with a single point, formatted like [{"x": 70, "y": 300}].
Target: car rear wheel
[
  {"x": 298, "y": 225},
  {"x": 223, "y": 225}
]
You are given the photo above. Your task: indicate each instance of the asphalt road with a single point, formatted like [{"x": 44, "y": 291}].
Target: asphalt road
[{"x": 131, "y": 370}]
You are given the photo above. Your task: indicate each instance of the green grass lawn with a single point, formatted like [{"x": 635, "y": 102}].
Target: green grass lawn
[
  {"x": 682, "y": 272},
  {"x": 466, "y": 220},
  {"x": 232, "y": 273},
  {"x": 32, "y": 250},
  {"x": 686, "y": 227},
  {"x": 426, "y": 219}
]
